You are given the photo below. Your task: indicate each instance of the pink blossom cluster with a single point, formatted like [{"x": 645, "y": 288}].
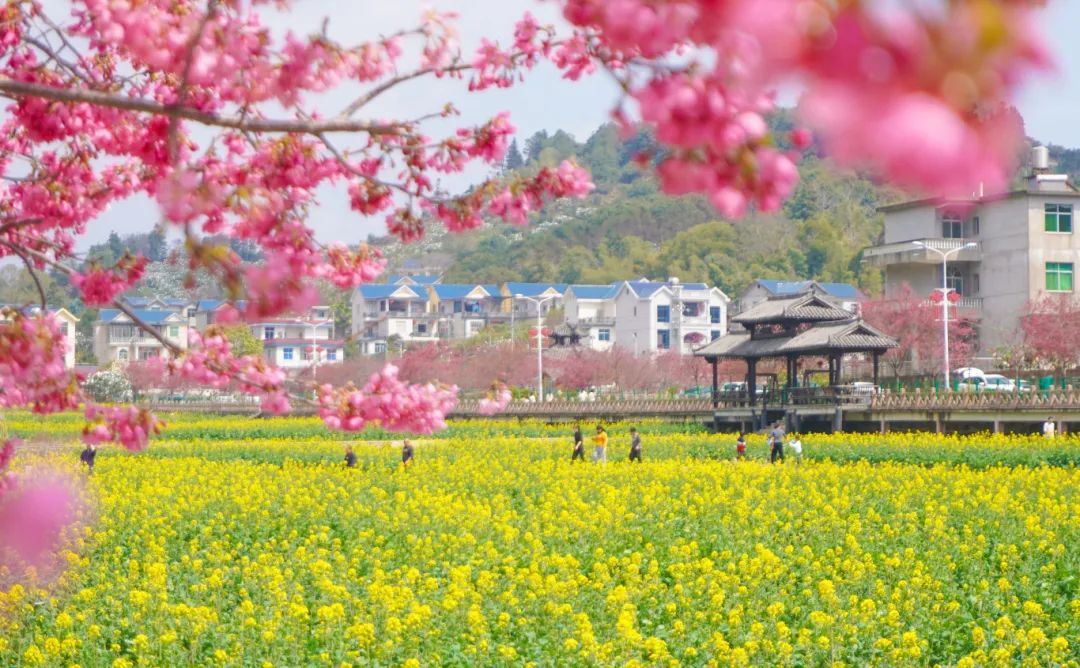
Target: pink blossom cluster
[
  {"x": 99, "y": 286},
  {"x": 495, "y": 401},
  {"x": 129, "y": 426},
  {"x": 514, "y": 203},
  {"x": 348, "y": 269},
  {"x": 32, "y": 368},
  {"x": 33, "y": 513},
  {"x": 916, "y": 96},
  {"x": 209, "y": 361},
  {"x": 385, "y": 401}
]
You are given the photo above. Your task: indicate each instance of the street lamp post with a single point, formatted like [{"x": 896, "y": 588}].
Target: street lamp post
[
  {"x": 945, "y": 295},
  {"x": 539, "y": 341}
]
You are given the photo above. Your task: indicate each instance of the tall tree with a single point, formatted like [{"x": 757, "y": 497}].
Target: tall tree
[
  {"x": 513, "y": 160},
  {"x": 1050, "y": 325},
  {"x": 156, "y": 247}
]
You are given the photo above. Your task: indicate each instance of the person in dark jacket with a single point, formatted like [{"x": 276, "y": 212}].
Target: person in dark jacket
[
  {"x": 350, "y": 457},
  {"x": 87, "y": 456},
  {"x": 635, "y": 445},
  {"x": 406, "y": 454},
  {"x": 579, "y": 444}
]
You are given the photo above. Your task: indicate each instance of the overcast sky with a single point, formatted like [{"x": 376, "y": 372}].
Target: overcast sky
[{"x": 1050, "y": 105}]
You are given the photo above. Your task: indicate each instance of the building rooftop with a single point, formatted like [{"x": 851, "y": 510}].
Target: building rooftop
[
  {"x": 149, "y": 316},
  {"x": 594, "y": 291},
  {"x": 780, "y": 288},
  {"x": 384, "y": 291}
]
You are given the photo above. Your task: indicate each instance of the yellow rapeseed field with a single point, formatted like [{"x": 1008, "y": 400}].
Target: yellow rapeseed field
[{"x": 494, "y": 550}]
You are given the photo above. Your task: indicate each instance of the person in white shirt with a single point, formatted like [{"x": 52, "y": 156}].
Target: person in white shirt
[
  {"x": 796, "y": 448},
  {"x": 1049, "y": 427}
]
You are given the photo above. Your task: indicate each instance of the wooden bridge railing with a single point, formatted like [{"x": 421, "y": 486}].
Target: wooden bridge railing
[{"x": 979, "y": 401}]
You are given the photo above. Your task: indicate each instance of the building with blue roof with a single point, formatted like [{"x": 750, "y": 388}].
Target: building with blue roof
[
  {"x": 118, "y": 339},
  {"x": 413, "y": 279}
]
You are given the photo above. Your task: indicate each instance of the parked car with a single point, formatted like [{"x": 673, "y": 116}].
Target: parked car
[{"x": 992, "y": 382}]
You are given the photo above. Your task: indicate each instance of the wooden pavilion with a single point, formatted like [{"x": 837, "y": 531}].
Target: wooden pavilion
[{"x": 791, "y": 327}]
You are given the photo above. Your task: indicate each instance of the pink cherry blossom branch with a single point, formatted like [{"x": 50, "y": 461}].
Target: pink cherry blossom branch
[{"x": 19, "y": 89}]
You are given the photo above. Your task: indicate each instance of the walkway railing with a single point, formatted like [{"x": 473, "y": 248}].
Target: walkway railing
[
  {"x": 984, "y": 401},
  {"x": 602, "y": 408}
]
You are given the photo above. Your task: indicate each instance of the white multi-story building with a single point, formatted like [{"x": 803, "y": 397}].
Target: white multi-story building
[
  {"x": 118, "y": 339},
  {"x": 297, "y": 343},
  {"x": 1023, "y": 245},
  {"x": 658, "y": 316},
  {"x": 590, "y": 313},
  {"x": 412, "y": 312},
  {"x": 403, "y": 311}
]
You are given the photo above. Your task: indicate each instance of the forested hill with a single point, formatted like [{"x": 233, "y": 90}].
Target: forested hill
[{"x": 628, "y": 228}]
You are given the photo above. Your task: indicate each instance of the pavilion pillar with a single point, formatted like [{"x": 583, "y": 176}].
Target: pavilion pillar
[
  {"x": 790, "y": 372},
  {"x": 832, "y": 371},
  {"x": 839, "y": 369},
  {"x": 877, "y": 365},
  {"x": 714, "y": 361},
  {"x": 751, "y": 379}
]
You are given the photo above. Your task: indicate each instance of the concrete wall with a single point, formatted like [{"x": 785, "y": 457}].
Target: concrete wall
[{"x": 913, "y": 223}]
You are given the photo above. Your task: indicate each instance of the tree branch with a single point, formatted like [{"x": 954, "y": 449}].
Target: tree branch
[
  {"x": 19, "y": 89},
  {"x": 33, "y": 275}
]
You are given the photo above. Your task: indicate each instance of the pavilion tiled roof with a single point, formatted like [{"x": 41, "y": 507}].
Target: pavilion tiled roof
[
  {"x": 851, "y": 335},
  {"x": 806, "y": 307}
]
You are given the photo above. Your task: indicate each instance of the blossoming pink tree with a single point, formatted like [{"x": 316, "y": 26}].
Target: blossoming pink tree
[{"x": 197, "y": 105}]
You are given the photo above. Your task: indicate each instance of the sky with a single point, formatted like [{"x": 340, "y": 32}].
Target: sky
[{"x": 1050, "y": 104}]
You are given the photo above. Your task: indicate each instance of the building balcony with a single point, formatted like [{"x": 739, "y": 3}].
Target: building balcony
[
  {"x": 962, "y": 304},
  {"x": 907, "y": 252},
  {"x": 596, "y": 321}
]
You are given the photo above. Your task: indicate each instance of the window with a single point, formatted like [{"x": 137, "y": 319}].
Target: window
[
  {"x": 331, "y": 355},
  {"x": 955, "y": 281},
  {"x": 663, "y": 313},
  {"x": 382, "y": 304},
  {"x": 457, "y": 307},
  {"x": 380, "y": 347},
  {"x": 974, "y": 284},
  {"x": 1059, "y": 276},
  {"x": 603, "y": 335},
  {"x": 286, "y": 354},
  {"x": 975, "y": 226},
  {"x": 145, "y": 354},
  {"x": 952, "y": 227},
  {"x": 268, "y": 332},
  {"x": 421, "y": 328},
  {"x": 714, "y": 315},
  {"x": 122, "y": 355},
  {"x": 691, "y": 309},
  {"x": 663, "y": 339},
  {"x": 174, "y": 331},
  {"x": 305, "y": 355},
  {"x": 1058, "y": 217},
  {"x": 714, "y": 335}
]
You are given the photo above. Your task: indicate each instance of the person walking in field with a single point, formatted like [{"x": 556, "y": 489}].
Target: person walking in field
[
  {"x": 740, "y": 446},
  {"x": 635, "y": 445},
  {"x": 350, "y": 457},
  {"x": 1049, "y": 427},
  {"x": 776, "y": 437},
  {"x": 406, "y": 454},
  {"x": 87, "y": 457},
  {"x": 600, "y": 445},
  {"x": 796, "y": 448},
  {"x": 579, "y": 444}
]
